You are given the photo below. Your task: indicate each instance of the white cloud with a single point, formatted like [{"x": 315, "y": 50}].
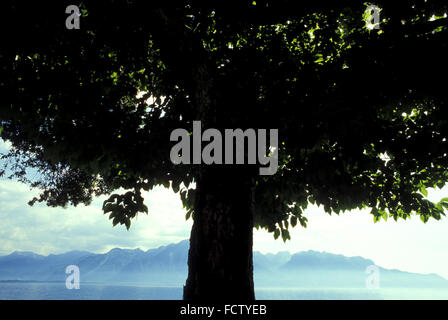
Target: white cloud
[{"x": 54, "y": 230}]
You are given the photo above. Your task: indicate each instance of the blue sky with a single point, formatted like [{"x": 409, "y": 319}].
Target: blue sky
[{"x": 406, "y": 245}]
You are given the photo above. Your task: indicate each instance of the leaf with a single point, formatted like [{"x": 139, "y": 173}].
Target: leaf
[
  {"x": 175, "y": 185},
  {"x": 188, "y": 214},
  {"x": 285, "y": 235},
  {"x": 276, "y": 234},
  {"x": 127, "y": 222},
  {"x": 319, "y": 59},
  {"x": 108, "y": 207},
  {"x": 424, "y": 218},
  {"x": 424, "y": 191},
  {"x": 293, "y": 221}
]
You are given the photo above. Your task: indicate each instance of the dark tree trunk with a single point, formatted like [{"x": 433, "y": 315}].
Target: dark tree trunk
[{"x": 220, "y": 256}]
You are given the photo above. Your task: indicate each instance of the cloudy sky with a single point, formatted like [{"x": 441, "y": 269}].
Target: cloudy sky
[{"x": 406, "y": 245}]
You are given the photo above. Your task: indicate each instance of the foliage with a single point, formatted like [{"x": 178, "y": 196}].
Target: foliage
[{"x": 361, "y": 113}]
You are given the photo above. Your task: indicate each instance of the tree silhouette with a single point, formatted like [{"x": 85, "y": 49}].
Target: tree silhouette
[{"x": 361, "y": 113}]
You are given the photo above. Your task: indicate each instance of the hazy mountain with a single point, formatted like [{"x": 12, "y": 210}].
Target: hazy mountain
[
  {"x": 167, "y": 266},
  {"x": 323, "y": 261},
  {"x": 322, "y": 270},
  {"x": 270, "y": 261}
]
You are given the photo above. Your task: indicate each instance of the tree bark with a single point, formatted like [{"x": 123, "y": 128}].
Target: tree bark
[{"x": 220, "y": 256}]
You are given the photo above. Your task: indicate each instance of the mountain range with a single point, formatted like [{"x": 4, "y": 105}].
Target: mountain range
[{"x": 167, "y": 266}]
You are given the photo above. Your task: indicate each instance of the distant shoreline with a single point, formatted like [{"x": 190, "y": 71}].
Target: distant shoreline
[
  {"x": 27, "y": 281},
  {"x": 42, "y": 281}
]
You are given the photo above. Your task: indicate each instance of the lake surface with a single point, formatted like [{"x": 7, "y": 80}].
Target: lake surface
[{"x": 94, "y": 291}]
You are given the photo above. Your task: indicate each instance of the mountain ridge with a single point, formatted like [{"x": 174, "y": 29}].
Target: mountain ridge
[{"x": 167, "y": 266}]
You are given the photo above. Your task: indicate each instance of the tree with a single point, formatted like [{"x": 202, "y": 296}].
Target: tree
[{"x": 361, "y": 113}]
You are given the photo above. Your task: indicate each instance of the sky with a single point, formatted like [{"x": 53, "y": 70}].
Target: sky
[{"x": 407, "y": 245}]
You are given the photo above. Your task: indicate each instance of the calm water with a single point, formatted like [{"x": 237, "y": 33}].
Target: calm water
[{"x": 57, "y": 291}]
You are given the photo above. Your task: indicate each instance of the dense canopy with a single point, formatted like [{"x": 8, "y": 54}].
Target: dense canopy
[{"x": 361, "y": 112}]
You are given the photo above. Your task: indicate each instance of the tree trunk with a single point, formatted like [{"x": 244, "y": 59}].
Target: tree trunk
[{"x": 220, "y": 256}]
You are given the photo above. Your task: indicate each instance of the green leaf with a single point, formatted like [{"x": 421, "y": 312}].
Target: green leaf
[
  {"x": 175, "y": 185},
  {"x": 108, "y": 207},
  {"x": 424, "y": 218},
  {"x": 424, "y": 191},
  {"x": 285, "y": 235},
  {"x": 293, "y": 221},
  {"x": 127, "y": 222},
  {"x": 276, "y": 234},
  {"x": 188, "y": 214}
]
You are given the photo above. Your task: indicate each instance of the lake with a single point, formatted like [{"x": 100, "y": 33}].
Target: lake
[{"x": 96, "y": 291}]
